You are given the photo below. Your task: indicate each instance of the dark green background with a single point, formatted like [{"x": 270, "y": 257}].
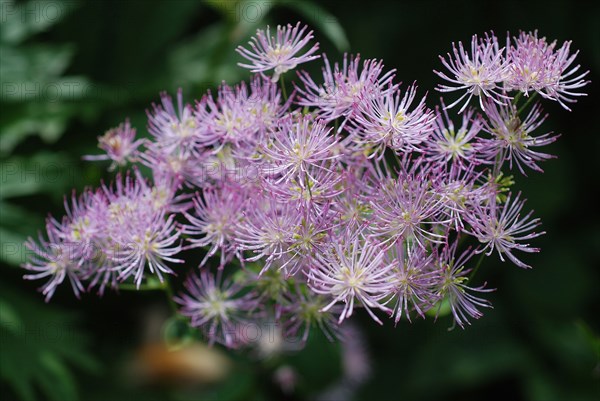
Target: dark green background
[{"x": 540, "y": 342}]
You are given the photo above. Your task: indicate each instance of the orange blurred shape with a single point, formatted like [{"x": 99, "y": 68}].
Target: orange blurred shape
[{"x": 191, "y": 364}]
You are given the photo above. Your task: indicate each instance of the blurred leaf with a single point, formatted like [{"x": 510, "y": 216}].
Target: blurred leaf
[
  {"x": 209, "y": 57},
  {"x": 237, "y": 387},
  {"x": 16, "y": 218},
  {"x": 249, "y": 15},
  {"x": 58, "y": 383},
  {"x": 46, "y": 120},
  {"x": 13, "y": 251},
  {"x": 322, "y": 20},
  {"x": 440, "y": 309},
  {"x": 177, "y": 332},
  {"x": 58, "y": 90},
  {"x": 458, "y": 361},
  {"x": 131, "y": 50},
  {"x": 9, "y": 317},
  {"x": 16, "y": 224},
  {"x": 38, "y": 344},
  {"x": 19, "y": 21},
  {"x": 32, "y": 68},
  {"x": 226, "y": 8},
  {"x": 35, "y": 98},
  {"x": 190, "y": 61},
  {"x": 540, "y": 386},
  {"x": 243, "y": 14},
  {"x": 327, "y": 353},
  {"x": 592, "y": 338},
  {"x": 51, "y": 173}
]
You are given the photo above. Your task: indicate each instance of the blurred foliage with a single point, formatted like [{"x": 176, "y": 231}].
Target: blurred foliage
[
  {"x": 72, "y": 69},
  {"x": 39, "y": 345}
]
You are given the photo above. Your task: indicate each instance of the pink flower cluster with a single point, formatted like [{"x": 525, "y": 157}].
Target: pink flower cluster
[
  {"x": 526, "y": 64},
  {"x": 350, "y": 194}
]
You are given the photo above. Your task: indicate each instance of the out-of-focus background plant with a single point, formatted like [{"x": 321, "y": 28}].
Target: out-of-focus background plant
[{"x": 70, "y": 70}]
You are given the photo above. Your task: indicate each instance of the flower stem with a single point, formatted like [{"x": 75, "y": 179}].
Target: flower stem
[
  {"x": 164, "y": 286},
  {"x": 169, "y": 293},
  {"x": 522, "y": 108},
  {"x": 498, "y": 162},
  {"x": 517, "y": 98},
  {"x": 283, "y": 90},
  {"x": 307, "y": 182},
  {"x": 476, "y": 266},
  {"x": 143, "y": 287}
]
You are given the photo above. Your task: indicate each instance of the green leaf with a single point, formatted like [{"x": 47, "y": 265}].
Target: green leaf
[
  {"x": 190, "y": 61},
  {"x": 324, "y": 21},
  {"x": 16, "y": 224},
  {"x": 238, "y": 386},
  {"x": 40, "y": 346},
  {"x": 9, "y": 317},
  {"x": 38, "y": 65},
  {"x": 226, "y": 8},
  {"x": 22, "y": 20},
  {"x": 592, "y": 339},
  {"x": 440, "y": 309},
  {"x": 58, "y": 382},
  {"x": 177, "y": 332},
  {"x": 49, "y": 123},
  {"x": 36, "y": 100},
  {"x": 51, "y": 173},
  {"x": 13, "y": 249},
  {"x": 249, "y": 15},
  {"x": 329, "y": 355},
  {"x": 17, "y": 218},
  {"x": 243, "y": 14}
]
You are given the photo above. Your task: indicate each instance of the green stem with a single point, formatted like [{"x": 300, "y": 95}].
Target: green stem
[
  {"x": 498, "y": 162},
  {"x": 531, "y": 98},
  {"x": 169, "y": 293},
  {"x": 477, "y": 266},
  {"x": 283, "y": 90},
  {"x": 307, "y": 183},
  {"x": 517, "y": 98},
  {"x": 164, "y": 286},
  {"x": 143, "y": 287}
]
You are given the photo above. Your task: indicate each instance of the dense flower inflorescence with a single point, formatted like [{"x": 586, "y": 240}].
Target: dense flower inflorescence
[
  {"x": 278, "y": 53},
  {"x": 529, "y": 65},
  {"x": 351, "y": 194}
]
